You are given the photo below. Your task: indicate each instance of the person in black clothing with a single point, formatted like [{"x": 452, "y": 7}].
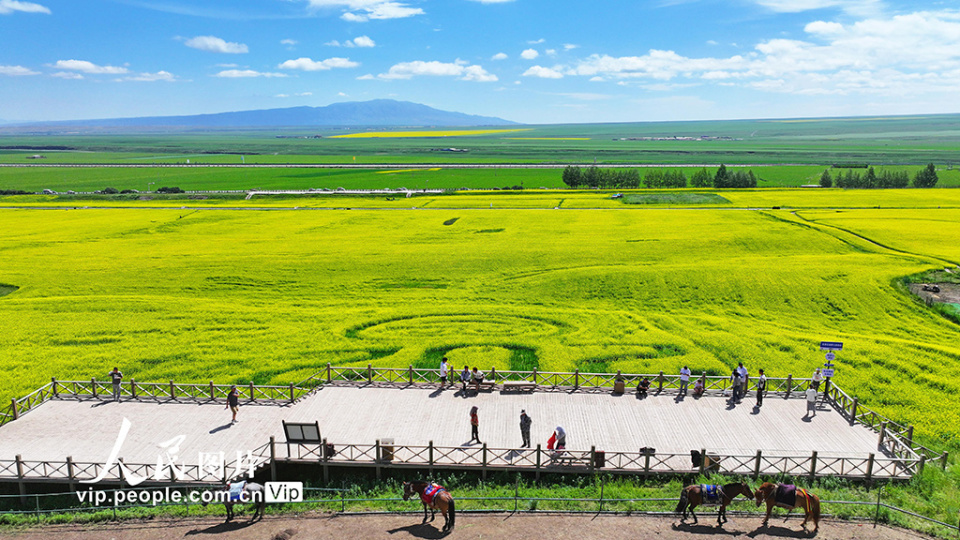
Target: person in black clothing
[
  {"x": 525, "y": 423},
  {"x": 116, "y": 376},
  {"x": 233, "y": 402}
]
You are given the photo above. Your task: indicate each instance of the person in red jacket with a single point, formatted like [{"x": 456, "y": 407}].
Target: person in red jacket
[{"x": 474, "y": 425}]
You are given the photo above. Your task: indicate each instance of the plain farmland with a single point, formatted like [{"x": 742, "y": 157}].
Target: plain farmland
[{"x": 197, "y": 294}]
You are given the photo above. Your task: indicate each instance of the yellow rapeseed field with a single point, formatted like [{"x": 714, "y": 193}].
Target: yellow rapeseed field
[{"x": 238, "y": 295}]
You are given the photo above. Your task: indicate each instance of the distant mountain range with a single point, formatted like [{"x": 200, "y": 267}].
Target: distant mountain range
[{"x": 378, "y": 112}]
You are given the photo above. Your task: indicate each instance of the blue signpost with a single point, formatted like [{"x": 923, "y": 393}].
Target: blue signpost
[{"x": 828, "y": 370}]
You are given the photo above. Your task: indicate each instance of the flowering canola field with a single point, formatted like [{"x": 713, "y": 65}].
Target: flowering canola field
[{"x": 273, "y": 296}]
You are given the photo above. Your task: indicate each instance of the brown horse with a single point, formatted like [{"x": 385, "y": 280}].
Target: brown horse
[
  {"x": 436, "y": 498},
  {"x": 694, "y": 496},
  {"x": 810, "y": 503}
]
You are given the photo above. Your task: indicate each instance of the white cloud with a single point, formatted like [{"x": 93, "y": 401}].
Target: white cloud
[
  {"x": 499, "y": 56},
  {"x": 536, "y": 41},
  {"x": 89, "y": 67},
  {"x": 246, "y": 74},
  {"x": 550, "y": 52},
  {"x": 215, "y": 44},
  {"x": 901, "y": 55},
  {"x": 365, "y": 10},
  {"x": 289, "y": 42},
  {"x": 865, "y": 8},
  {"x": 9, "y": 6},
  {"x": 17, "y": 71},
  {"x": 570, "y": 46},
  {"x": 307, "y": 64},
  {"x": 67, "y": 75},
  {"x": 152, "y": 77},
  {"x": 529, "y": 54},
  {"x": 543, "y": 73},
  {"x": 362, "y": 41},
  {"x": 458, "y": 69}
]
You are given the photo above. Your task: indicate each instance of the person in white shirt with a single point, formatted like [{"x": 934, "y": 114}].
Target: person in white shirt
[
  {"x": 811, "y": 402},
  {"x": 684, "y": 379},
  {"x": 815, "y": 380},
  {"x": 443, "y": 372},
  {"x": 744, "y": 379},
  {"x": 761, "y": 388}
]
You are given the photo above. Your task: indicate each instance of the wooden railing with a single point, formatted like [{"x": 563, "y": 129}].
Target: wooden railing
[
  {"x": 539, "y": 460},
  {"x": 895, "y": 439}
]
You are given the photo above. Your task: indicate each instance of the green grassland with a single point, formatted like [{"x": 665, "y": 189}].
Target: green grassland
[
  {"x": 62, "y": 179},
  {"x": 913, "y": 140},
  {"x": 195, "y": 293}
]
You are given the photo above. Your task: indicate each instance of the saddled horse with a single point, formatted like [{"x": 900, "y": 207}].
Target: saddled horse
[
  {"x": 701, "y": 494},
  {"x": 434, "y": 497},
  {"x": 245, "y": 493},
  {"x": 789, "y": 496}
]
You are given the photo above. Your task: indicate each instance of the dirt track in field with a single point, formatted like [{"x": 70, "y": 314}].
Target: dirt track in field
[{"x": 403, "y": 527}]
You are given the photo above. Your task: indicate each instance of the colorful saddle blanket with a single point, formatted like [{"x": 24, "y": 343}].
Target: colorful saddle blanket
[
  {"x": 711, "y": 494},
  {"x": 236, "y": 491},
  {"x": 786, "y": 495},
  {"x": 430, "y": 493}
]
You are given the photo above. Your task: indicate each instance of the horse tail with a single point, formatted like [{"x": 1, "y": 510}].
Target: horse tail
[
  {"x": 682, "y": 505},
  {"x": 453, "y": 513}
]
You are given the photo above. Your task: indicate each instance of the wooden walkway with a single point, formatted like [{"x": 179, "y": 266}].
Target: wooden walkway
[{"x": 351, "y": 414}]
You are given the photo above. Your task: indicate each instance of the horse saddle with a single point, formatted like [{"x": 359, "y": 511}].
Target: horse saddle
[
  {"x": 430, "y": 493},
  {"x": 711, "y": 494},
  {"x": 786, "y": 495},
  {"x": 236, "y": 491}
]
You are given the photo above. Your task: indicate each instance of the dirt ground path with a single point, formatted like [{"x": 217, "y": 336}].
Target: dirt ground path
[{"x": 403, "y": 527}]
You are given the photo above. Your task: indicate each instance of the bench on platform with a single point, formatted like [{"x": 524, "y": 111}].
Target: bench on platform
[
  {"x": 519, "y": 386},
  {"x": 488, "y": 386},
  {"x": 569, "y": 458}
]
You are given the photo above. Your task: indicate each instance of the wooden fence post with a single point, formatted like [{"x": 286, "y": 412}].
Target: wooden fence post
[
  {"x": 538, "y": 462},
  {"x": 789, "y": 384},
  {"x": 910, "y": 436},
  {"x": 53, "y": 383},
  {"x": 213, "y": 392},
  {"x": 325, "y": 458},
  {"x": 493, "y": 374},
  {"x": 646, "y": 462},
  {"x": 376, "y": 455},
  {"x": 660, "y": 386},
  {"x": 370, "y": 373},
  {"x": 870, "y": 466},
  {"x": 813, "y": 465},
  {"x": 883, "y": 432},
  {"x": 273, "y": 459},
  {"x": 71, "y": 475},
  {"x": 943, "y": 461},
  {"x": 291, "y": 393},
  {"x": 576, "y": 378},
  {"x": 410, "y": 373},
  {"x": 430, "y": 456},
  {"x": 923, "y": 462},
  {"x": 328, "y": 372},
  {"x": 133, "y": 388},
  {"x": 252, "y": 397},
  {"x": 13, "y": 405},
  {"x": 173, "y": 390},
  {"x": 23, "y": 487},
  {"x": 756, "y": 465},
  {"x": 483, "y": 463},
  {"x": 853, "y": 412},
  {"x": 593, "y": 458},
  {"x": 93, "y": 387},
  {"x": 534, "y": 375}
]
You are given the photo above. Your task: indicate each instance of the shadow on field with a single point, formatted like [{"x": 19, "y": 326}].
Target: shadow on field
[
  {"x": 420, "y": 530},
  {"x": 221, "y": 528},
  {"x": 703, "y": 528},
  {"x": 781, "y": 532}
]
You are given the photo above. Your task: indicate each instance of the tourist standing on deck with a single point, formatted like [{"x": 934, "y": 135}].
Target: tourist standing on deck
[
  {"x": 525, "y": 423},
  {"x": 116, "y": 377},
  {"x": 233, "y": 402},
  {"x": 474, "y": 425},
  {"x": 761, "y": 388},
  {"x": 684, "y": 379},
  {"x": 443, "y": 372}
]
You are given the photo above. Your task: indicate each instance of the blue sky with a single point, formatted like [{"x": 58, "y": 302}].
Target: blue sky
[{"x": 532, "y": 61}]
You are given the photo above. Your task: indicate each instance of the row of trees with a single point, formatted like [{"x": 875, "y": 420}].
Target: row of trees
[
  {"x": 595, "y": 177},
  {"x": 924, "y": 178}
]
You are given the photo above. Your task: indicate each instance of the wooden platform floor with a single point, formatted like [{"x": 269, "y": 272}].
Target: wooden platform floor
[{"x": 87, "y": 430}]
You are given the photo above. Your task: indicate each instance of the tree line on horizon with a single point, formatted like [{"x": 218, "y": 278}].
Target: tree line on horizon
[
  {"x": 870, "y": 179},
  {"x": 656, "y": 178}
]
